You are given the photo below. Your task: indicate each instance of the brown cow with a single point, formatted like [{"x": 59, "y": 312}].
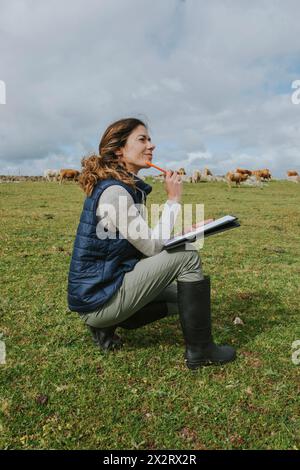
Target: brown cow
[
  {"x": 65, "y": 174},
  {"x": 292, "y": 173},
  {"x": 262, "y": 174},
  {"x": 236, "y": 178},
  {"x": 243, "y": 172},
  {"x": 266, "y": 174}
]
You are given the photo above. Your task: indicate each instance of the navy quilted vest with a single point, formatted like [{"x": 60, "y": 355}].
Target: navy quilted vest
[{"x": 98, "y": 266}]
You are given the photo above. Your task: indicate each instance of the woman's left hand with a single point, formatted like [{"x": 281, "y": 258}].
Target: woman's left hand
[
  {"x": 194, "y": 226},
  {"x": 199, "y": 224}
]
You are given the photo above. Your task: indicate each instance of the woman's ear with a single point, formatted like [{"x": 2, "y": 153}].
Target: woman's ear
[{"x": 119, "y": 153}]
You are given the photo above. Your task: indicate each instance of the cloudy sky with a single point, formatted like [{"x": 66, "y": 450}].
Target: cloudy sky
[{"x": 213, "y": 80}]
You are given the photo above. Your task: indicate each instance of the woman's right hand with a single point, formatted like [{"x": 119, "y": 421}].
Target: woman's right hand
[{"x": 173, "y": 185}]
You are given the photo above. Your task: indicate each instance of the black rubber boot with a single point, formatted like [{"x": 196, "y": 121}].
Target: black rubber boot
[
  {"x": 148, "y": 314},
  {"x": 106, "y": 338},
  {"x": 195, "y": 319}
]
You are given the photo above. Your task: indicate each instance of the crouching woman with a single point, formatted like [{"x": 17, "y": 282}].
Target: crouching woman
[{"x": 120, "y": 278}]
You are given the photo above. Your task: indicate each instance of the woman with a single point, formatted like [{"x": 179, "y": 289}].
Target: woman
[{"x": 119, "y": 278}]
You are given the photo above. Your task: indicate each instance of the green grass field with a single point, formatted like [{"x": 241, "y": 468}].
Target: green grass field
[{"x": 57, "y": 391}]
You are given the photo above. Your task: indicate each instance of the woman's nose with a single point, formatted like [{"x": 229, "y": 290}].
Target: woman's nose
[{"x": 151, "y": 146}]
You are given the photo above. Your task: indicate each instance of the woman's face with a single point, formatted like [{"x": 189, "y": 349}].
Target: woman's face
[{"x": 137, "y": 150}]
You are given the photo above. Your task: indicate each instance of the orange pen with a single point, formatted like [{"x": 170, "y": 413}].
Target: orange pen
[{"x": 157, "y": 167}]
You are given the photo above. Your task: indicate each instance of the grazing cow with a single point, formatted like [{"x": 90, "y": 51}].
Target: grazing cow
[
  {"x": 237, "y": 178},
  {"x": 51, "y": 175},
  {"x": 243, "y": 172},
  {"x": 292, "y": 173},
  {"x": 68, "y": 175},
  {"x": 266, "y": 174},
  {"x": 262, "y": 174},
  {"x": 181, "y": 171},
  {"x": 207, "y": 172},
  {"x": 196, "y": 176}
]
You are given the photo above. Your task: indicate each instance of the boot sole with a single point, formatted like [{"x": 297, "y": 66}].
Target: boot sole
[{"x": 205, "y": 363}]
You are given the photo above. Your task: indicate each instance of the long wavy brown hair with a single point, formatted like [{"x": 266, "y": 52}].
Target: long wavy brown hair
[{"x": 107, "y": 164}]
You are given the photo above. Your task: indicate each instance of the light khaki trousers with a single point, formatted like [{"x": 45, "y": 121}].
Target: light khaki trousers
[{"x": 153, "y": 279}]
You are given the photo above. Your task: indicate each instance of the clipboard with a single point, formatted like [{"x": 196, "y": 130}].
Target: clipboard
[{"x": 223, "y": 224}]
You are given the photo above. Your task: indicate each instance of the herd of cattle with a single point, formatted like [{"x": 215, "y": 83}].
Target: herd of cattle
[
  {"x": 240, "y": 175},
  {"x": 61, "y": 175}
]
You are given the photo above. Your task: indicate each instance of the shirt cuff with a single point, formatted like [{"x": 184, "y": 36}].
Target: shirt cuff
[{"x": 171, "y": 202}]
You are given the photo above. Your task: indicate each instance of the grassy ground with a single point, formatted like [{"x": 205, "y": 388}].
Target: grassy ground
[{"x": 57, "y": 391}]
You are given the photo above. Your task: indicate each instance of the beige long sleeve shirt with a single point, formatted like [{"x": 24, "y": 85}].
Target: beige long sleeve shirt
[{"x": 117, "y": 210}]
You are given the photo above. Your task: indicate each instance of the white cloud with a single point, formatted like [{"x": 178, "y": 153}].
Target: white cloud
[{"x": 192, "y": 156}]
